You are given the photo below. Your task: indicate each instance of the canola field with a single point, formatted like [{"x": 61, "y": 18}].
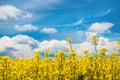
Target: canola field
[{"x": 98, "y": 66}]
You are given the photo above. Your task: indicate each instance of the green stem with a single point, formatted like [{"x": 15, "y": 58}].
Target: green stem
[
  {"x": 95, "y": 51},
  {"x": 70, "y": 46}
]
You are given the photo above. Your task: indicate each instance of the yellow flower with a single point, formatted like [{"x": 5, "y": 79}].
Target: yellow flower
[
  {"x": 5, "y": 58},
  {"x": 113, "y": 55},
  {"x": 103, "y": 51},
  {"x": 95, "y": 77},
  {"x": 85, "y": 52},
  {"x": 118, "y": 43},
  {"x": 62, "y": 53},
  {"x": 94, "y": 36},
  {"x": 49, "y": 49},
  {"x": 94, "y": 39},
  {"x": 47, "y": 52},
  {"x": 36, "y": 53},
  {"x": 67, "y": 48},
  {"x": 72, "y": 53},
  {"x": 69, "y": 40}
]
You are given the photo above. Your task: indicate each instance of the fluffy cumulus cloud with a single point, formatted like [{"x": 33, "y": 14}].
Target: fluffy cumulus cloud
[
  {"x": 18, "y": 46},
  {"x": 26, "y": 27},
  {"x": 81, "y": 35},
  {"x": 11, "y": 12},
  {"x": 49, "y": 30},
  {"x": 23, "y": 46},
  {"x": 101, "y": 27},
  {"x": 55, "y": 45}
]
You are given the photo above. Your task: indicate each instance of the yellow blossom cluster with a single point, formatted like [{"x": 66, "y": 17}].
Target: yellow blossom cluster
[{"x": 61, "y": 67}]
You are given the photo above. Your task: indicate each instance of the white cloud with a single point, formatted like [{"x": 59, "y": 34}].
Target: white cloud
[
  {"x": 49, "y": 30},
  {"x": 101, "y": 27},
  {"x": 26, "y": 27},
  {"x": 81, "y": 33},
  {"x": 78, "y": 22},
  {"x": 75, "y": 23},
  {"x": 23, "y": 46},
  {"x": 11, "y": 12},
  {"x": 108, "y": 11},
  {"x": 104, "y": 13},
  {"x": 83, "y": 46},
  {"x": 55, "y": 45}
]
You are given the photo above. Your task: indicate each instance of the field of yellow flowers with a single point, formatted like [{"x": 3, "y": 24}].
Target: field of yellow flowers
[{"x": 91, "y": 67}]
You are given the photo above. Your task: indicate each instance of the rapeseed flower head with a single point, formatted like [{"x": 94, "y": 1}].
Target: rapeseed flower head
[
  {"x": 37, "y": 53},
  {"x": 69, "y": 40},
  {"x": 47, "y": 52},
  {"x": 103, "y": 51},
  {"x": 118, "y": 43},
  {"x": 94, "y": 39},
  {"x": 113, "y": 55},
  {"x": 67, "y": 48},
  {"x": 72, "y": 53},
  {"x": 85, "y": 52}
]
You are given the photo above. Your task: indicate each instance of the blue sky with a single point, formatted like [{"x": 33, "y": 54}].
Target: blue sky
[
  {"x": 65, "y": 17},
  {"x": 26, "y": 25}
]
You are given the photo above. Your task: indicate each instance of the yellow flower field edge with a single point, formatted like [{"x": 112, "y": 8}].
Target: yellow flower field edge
[{"x": 91, "y": 67}]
